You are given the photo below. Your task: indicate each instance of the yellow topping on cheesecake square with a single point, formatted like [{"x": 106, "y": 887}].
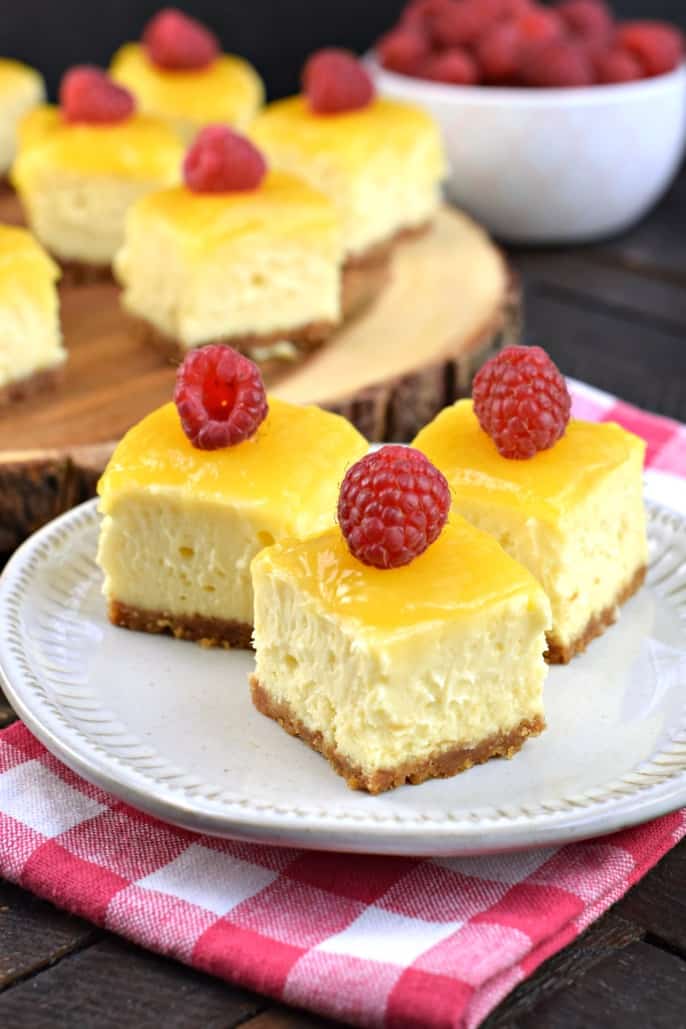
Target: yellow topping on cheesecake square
[
  {"x": 30, "y": 336},
  {"x": 206, "y": 266},
  {"x": 227, "y": 90},
  {"x": 21, "y": 89},
  {"x": 77, "y": 181},
  {"x": 573, "y": 514},
  {"x": 402, "y": 674},
  {"x": 181, "y": 525},
  {"x": 380, "y": 165}
]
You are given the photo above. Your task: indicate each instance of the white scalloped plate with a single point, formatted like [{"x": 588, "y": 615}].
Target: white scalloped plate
[{"x": 169, "y": 727}]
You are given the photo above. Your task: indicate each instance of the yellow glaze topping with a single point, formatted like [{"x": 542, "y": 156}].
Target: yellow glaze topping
[
  {"x": 12, "y": 73},
  {"x": 139, "y": 148},
  {"x": 465, "y": 571},
  {"x": 352, "y": 136},
  {"x": 283, "y": 471},
  {"x": 25, "y": 268},
  {"x": 281, "y": 205},
  {"x": 229, "y": 90},
  {"x": 547, "y": 485}
]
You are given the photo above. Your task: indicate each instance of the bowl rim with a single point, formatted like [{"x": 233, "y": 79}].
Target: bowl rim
[{"x": 599, "y": 94}]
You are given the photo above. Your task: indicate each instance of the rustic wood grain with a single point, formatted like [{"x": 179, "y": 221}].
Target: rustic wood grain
[
  {"x": 34, "y": 934},
  {"x": 638, "y": 987},
  {"x": 610, "y": 934},
  {"x": 658, "y": 902},
  {"x": 113, "y": 985}
]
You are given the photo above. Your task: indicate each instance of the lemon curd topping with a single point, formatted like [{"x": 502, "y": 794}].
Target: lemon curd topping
[
  {"x": 353, "y": 136},
  {"x": 228, "y": 89},
  {"x": 282, "y": 205},
  {"x": 278, "y": 471},
  {"x": 25, "y": 268},
  {"x": 138, "y": 148},
  {"x": 13, "y": 73},
  {"x": 462, "y": 573},
  {"x": 547, "y": 486}
]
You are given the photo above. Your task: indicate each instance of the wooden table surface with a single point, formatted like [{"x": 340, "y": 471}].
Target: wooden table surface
[{"x": 614, "y": 315}]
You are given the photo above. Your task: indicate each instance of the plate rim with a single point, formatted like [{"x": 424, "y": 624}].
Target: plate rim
[{"x": 417, "y": 835}]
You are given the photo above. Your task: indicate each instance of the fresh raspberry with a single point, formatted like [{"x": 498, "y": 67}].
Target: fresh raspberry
[
  {"x": 618, "y": 66},
  {"x": 657, "y": 46},
  {"x": 403, "y": 50},
  {"x": 179, "y": 43},
  {"x": 537, "y": 25},
  {"x": 220, "y": 397},
  {"x": 336, "y": 81},
  {"x": 462, "y": 22},
  {"x": 521, "y": 401},
  {"x": 558, "y": 63},
  {"x": 586, "y": 18},
  {"x": 498, "y": 54},
  {"x": 222, "y": 161},
  {"x": 392, "y": 506},
  {"x": 88, "y": 95},
  {"x": 454, "y": 66},
  {"x": 418, "y": 14}
]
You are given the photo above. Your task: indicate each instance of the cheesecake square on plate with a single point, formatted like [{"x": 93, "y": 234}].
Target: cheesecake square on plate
[
  {"x": 181, "y": 524},
  {"x": 572, "y": 514},
  {"x": 404, "y": 674}
]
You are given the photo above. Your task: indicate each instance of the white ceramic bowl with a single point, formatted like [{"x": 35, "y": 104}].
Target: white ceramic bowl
[{"x": 555, "y": 165}]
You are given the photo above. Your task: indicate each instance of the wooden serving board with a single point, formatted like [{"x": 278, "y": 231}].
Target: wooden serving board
[{"x": 449, "y": 303}]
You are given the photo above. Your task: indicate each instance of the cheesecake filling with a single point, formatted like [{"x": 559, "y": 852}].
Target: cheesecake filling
[{"x": 21, "y": 89}]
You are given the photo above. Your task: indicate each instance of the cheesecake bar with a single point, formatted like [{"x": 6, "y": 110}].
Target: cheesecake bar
[
  {"x": 398, "y": 675},
  {"x": 248, "y": 267},
  {"x": 381, "y": 164},
  {"x": 572, "y": 514},
  {"x": 181, "y": 524},
  {"x": 76, "y": 181},
  {"x": 31, "y": 351},
  {"x": 227, "y": 89},
  {"x": 21, "y": 89}
]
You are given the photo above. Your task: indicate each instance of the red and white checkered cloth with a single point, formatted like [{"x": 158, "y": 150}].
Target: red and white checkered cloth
[{"x": 370, "y": 940}]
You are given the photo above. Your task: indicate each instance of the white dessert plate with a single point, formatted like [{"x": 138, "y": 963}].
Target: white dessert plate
[{"x": 169, "y": 727}]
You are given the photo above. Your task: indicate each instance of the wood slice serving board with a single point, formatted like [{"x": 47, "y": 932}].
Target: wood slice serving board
[{"x": 449, "y": 304}]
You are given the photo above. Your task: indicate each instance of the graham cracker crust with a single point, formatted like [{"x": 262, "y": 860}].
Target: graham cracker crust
[
  {"x": 307, "y": 337},
  {"x": 22, "y": 389},
  {"x": 561, "y": 654},
  {"x": 208, "y": 632},
  {"x": 440, "y": 765},
  {"x": 81, "y": 273}
]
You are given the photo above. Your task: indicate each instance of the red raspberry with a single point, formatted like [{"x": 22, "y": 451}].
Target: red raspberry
[
  {"x": 462, "y": 22},
  {"x": 336, "y": 81},
  {"x": 498, "y": 54},
  {"x": 657, "y": 46},
  {"x": 392, "y": 506},
  {"x": 402, "y": 50},
  {"x": 618, "y": 66},
  {"x": 521, "y": 401},
  {"x": 419, "y": 13},
  {"x": 220, "y": 397},
  {"x": 88, "y": 95},
  {"x": 539, "y": 25},
  {"x": 178, "y": 43},
  {"x": 453, "y": 66},
  {"x": 221, "y": 161},
  {"x": 586, "y": 18},
  {"x": 556, "y": 64}
]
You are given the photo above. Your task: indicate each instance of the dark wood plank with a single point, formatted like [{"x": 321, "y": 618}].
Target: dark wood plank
[
  {"x": 658, "y": 902},
  {"x": 657, "y": 246},
  {"x": 607, "y": 936},
  {"x": 580, "y": 274},
  {"x": 114, "y": 984},
  {"x": 34, "y": 934},
  {"x": 638, "y": 987},
  {"x": 640, "y": 362}
]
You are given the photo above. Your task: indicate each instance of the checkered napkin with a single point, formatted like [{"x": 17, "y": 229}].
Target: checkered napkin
[{"x": 369, "y": 940}]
